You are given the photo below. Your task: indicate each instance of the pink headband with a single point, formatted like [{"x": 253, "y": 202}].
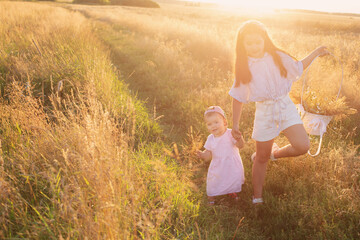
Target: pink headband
[{"x": 215, "y": 109}]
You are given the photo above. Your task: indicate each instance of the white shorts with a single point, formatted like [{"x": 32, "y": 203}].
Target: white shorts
[{"x": 273, "y": 116}]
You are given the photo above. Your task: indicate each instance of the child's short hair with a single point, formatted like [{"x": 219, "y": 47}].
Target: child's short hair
[{"x": 215, "y": 109}]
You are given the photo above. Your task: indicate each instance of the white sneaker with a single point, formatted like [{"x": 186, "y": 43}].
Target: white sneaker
[
  {"x": 274, "y": 148},
  {"x": 253, "y": 156},
  {"x": 257, "y": 200}
]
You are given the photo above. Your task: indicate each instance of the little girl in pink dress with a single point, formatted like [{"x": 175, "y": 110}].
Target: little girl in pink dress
[{"x": 226, "y": 171}]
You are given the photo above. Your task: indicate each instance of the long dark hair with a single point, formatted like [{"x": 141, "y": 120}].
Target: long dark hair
[{"x": 242, "y": 71}]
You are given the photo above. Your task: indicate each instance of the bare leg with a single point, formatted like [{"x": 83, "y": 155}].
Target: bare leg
[
  {"x": 263, "y": 150},
  {"x": 299, "y": 142}
]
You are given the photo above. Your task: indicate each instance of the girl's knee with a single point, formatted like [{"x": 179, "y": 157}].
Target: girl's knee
[
  {"x": 262, "y": 158},
  {"x": 303, "y": 148}
]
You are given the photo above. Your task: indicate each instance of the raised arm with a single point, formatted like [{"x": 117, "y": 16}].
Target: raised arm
[
  {"x": 320, "y": 51},
  {"x": 237, "y": 109}
]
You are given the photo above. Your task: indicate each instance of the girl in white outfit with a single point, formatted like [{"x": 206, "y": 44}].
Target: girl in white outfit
[
  {"x": 264, "y": 74},
  {"x": 226, "y": 171}
]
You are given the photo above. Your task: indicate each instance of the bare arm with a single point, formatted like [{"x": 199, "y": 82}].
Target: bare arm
[
  {"x": 206, "y": 155},
  {"x": 320, "y": 51},
  {"x": 237, "y": 109}
]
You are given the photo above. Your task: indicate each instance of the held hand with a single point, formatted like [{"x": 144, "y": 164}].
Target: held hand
[
  {"x": 322, "y": 51},
  {"x": 236, "y": 134},
  {"x": 240, "y": 143}
]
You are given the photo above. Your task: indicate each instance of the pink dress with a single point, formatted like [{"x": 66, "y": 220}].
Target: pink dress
[{"x": 226, "y": 171}]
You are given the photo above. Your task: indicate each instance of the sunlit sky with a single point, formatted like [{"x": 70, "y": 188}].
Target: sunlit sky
[{"x": 347, "y": 6}]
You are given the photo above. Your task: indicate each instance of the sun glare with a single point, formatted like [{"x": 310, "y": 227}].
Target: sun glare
[{"x": 266, "y": 5}]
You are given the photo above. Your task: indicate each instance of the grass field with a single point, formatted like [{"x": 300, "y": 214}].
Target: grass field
[{"x": 101, "y": 114}]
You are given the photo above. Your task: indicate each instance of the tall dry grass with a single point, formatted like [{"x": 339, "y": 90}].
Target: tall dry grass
[
  {"x": 80, "y": 157},
  {"x": 32, "y": 55},
  {"x": 180, "y": 58}
]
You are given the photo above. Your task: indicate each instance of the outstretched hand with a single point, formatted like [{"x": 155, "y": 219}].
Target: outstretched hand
[{"x": 322, "y": 51}]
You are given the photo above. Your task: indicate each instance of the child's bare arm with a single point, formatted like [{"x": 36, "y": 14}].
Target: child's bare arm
[{"x": 205, "y": 155}]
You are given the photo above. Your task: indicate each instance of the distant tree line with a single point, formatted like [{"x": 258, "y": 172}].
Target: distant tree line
[{"x": 137, "y": 3}]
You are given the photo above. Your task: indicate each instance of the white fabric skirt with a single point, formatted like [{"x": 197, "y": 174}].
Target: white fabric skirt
[{"x": 273, "y": 116}]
